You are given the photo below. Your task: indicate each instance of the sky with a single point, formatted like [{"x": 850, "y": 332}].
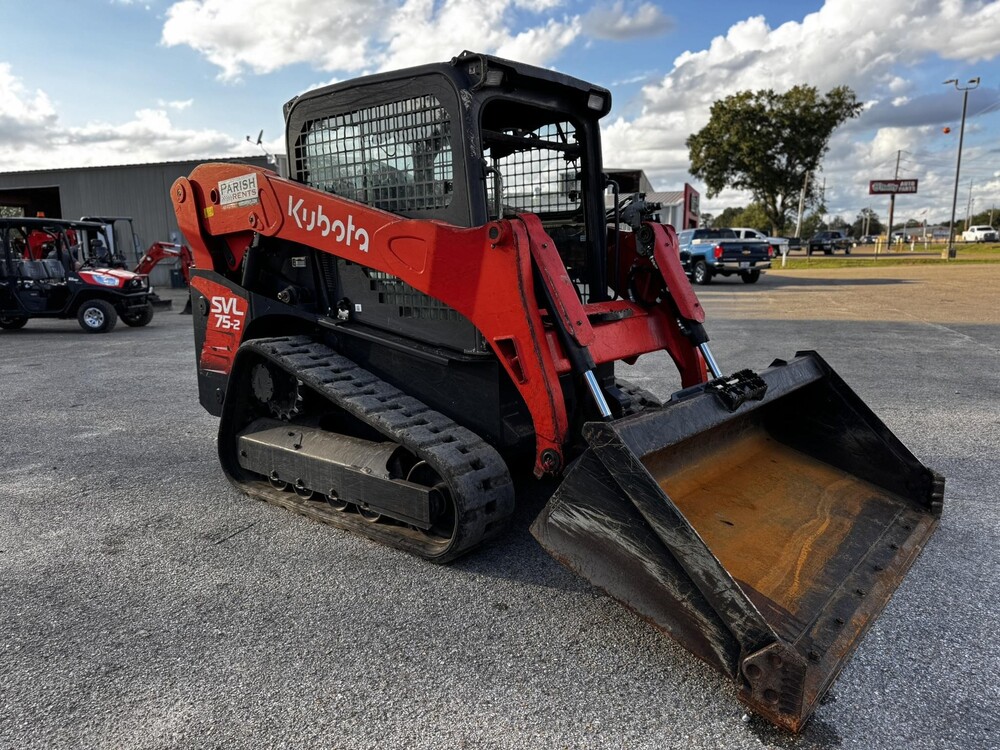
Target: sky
[{"x": 103, "y": 82}]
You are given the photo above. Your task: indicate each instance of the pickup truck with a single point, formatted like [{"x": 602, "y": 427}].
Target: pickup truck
[
  {"x": 829, "y": 241},
  {"x": 719, "y": 252},
  {"x": 981, "y": 233},
  {"x": 781, "y": 244}
]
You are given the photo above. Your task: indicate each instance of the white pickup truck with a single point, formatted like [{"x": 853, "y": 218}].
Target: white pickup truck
[
  {"x": 981, "y": 233},
  {"x": 780, "y": 244}
]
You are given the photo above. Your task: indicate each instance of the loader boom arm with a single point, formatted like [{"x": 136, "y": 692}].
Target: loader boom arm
[
  {"x": 160, "y": 251},
  {"x": 485, "y": 273}
]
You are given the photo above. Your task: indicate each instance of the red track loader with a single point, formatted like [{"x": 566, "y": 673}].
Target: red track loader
[{"x": 439, "y": 295}]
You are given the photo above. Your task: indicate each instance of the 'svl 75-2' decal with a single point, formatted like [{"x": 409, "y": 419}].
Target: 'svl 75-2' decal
[{"x": 226, "y": 314}]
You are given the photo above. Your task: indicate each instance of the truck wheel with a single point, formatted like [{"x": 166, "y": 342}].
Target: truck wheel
[
  {"x": 139, "y": 319},
  {"x": 750, "y": 277},
  {"x": 97, "y": 316},
  {"x": 847, "y": 251},
  {"x": 827, "y": 251},
  {"x": 700, "y": 273},
  {"x": 12, "y": 323}
]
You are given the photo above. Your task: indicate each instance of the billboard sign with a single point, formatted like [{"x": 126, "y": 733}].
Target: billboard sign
[{"x": 891, "y": 187}]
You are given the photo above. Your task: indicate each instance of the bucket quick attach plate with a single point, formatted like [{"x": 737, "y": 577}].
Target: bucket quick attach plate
[{"x": 766, "y": 540}]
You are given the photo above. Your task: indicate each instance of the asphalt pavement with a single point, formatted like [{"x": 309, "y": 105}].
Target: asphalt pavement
[{"x": 144, "y": 603}]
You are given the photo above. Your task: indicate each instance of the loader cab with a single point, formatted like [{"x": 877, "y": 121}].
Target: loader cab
[{"x": 461, "y": 142}]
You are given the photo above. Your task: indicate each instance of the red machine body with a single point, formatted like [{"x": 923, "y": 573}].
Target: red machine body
[{"x": 456, "y": 266}]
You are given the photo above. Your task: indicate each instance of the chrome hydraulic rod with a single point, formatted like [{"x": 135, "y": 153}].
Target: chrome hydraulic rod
[{"x": 710, "y": 360}]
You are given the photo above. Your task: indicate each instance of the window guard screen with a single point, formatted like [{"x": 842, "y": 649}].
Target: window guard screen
[
  {"x": 395, "y": 156},
  {"x": 540, "y": 168}
]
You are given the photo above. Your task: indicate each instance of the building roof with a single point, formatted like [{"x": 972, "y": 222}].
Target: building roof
[
  {"x": 251, "y": 158},
  {"x": 669, "y": 198}
]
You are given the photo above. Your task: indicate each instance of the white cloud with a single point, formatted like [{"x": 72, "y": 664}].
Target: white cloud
[
  {"x": 176, "y": 105},
  {"x": 262, "y": 36},
  {"x": 265, "y": 35},
  {"x": 24, "y": 115},
  {"x": 32, "y": 136},
  {"x": 615, "y": 21}
]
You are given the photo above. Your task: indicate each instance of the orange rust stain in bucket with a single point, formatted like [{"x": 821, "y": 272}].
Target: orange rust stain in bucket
[{"x": 773, "y": 516}]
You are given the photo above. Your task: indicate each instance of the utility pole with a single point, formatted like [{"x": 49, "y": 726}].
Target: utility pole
[
  {"x": 972, "y": 83},
  {"x": 892, "y": 203},
  {"x": 802, "y": 205},
  {"x": 822, "y": 199},
  {"x": 968, "y": 209}
]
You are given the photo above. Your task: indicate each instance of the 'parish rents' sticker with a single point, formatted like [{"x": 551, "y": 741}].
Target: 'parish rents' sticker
[{"x": 239, "y": 191}]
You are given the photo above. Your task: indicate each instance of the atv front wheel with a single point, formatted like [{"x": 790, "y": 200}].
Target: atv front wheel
[
  {"x": 139, "y": 319},
  {"x": 12, "y": 323},
  {"x": 97, "y": 316}
]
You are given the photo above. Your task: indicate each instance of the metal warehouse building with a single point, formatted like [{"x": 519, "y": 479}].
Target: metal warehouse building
[{"x": 141, "y": 191}]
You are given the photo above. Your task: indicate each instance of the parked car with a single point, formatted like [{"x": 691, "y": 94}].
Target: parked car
[
  {"x": 710, "y": 252},
  {"x": 828, "y": 241},
  {"x": 981, "y": 233}
]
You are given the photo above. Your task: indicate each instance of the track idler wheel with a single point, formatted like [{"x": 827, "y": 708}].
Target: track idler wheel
[
  {"x": 443, "y": 514},
  {"x": 334, "y": 500},
  {"x": 302, "y": 491},
  {"x": 277, "y": 483},
  {"x": 371, "y": 516}
]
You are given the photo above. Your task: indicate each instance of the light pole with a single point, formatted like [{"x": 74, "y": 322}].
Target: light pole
[{"x": 971, "y": 84}]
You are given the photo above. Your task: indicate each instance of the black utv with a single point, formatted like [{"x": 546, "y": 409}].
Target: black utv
[{"x": 52, "y": 268}]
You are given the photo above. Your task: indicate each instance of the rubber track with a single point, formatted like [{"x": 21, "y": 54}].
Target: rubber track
[
  {"x": 639, "y": 398},
  {"x": 476, "y": 475}
]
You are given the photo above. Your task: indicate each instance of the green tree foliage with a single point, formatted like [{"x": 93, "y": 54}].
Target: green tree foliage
[
  {"x": 990, "y": 216},
  {"x": 728, "y": 218},
  {"x": 765, "y": 143},
  {"x": 812, "y": 223},
  {"x": 755, "y": 217},
  {"x": 874, "y": 226}
]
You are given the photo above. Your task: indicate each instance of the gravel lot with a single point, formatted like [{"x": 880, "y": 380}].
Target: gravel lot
[{"x": 144, "y": 603}]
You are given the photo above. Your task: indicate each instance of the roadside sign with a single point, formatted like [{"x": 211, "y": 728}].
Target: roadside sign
[{"x": 891, "y": 187}]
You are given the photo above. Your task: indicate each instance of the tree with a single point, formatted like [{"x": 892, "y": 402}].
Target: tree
[
  {"x": 755, "y": 217},
  {"x": 866, "y": 222},
  {"x": 812, "y": 223},
  {"x": 765, "y": 143},
  {"x": 728, "y": 218}
]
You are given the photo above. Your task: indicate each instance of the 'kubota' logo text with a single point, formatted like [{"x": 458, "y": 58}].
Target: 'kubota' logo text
[
  {"x": 314, "y": 220},
  {"x": 227, "y": 316}
]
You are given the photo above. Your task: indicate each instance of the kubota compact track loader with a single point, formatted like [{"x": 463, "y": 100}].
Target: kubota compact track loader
[{"x": 439, "y": 294}]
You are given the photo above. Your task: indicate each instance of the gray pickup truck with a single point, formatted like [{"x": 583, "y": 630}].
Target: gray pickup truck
[{"x": 719, "y": 252}]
